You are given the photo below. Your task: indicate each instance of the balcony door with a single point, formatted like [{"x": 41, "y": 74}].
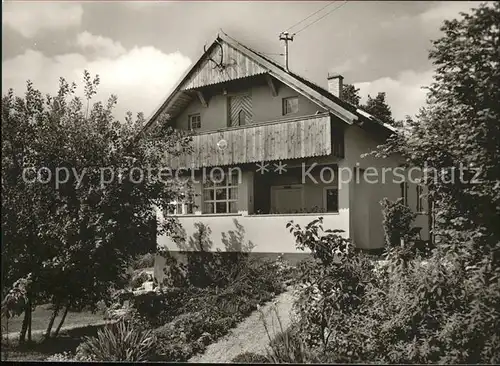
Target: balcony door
[
  {"x": 240, "y": 110},
  {"x": 287, "y": 199}
]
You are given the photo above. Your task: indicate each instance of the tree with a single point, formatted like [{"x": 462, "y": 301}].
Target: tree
[
  {"x": 350, "y": 94},
  {"x": 456, "y": 140},
  {"x": 379, "y": 108},
  {"x": 73, "y": 236}
]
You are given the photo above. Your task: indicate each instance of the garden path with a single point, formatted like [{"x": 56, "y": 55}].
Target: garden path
[{"x": 250, "y": 335}]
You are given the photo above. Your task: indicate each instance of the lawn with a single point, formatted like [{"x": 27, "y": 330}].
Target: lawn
[
  {"x": 67, "y": 341},
  {"x": 40, "y": 320}
]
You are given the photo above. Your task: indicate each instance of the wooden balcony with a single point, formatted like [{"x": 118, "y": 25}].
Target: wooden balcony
[{"x": 284, "y": 139}]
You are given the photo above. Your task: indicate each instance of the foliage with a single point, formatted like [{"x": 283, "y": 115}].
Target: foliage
[
  {"x": 350, "y": 94},
  {"x": 397, "y": 221},
  {"x": 118, "y": 342},
  {"x": 324, "y": 247},
  {"x": 207, "y": 267},
  {"x": 442, "y": 309},
  {"x": 86, "y": 226},
  {"x": 435, "y": 310},
  {"x": 379, "y": 108},
  {"x": 286, "y": 346},
  {"x": 13, "y": 304},
  {"x": 333, "y": 283},
  {"x": 68, "y": 357},
  {"x": 144, "y": 261},
  {"x": 211, "y": 312},
  {"x": 159, "y": 307},
  {"x": 138, "y": 279},
  {"x": 175, "y": 272},
  {"x": 455, "y": 138},
  {"x": 249, "y": 357},
  {"x": 457, "y": 135}
]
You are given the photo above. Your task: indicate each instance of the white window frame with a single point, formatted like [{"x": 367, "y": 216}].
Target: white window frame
[
  {"x": 325, "y": 201},
  {"x": 190, "y": 121},
  {"x": 183, "y": 208},
  {"x": 228, "y": 185},
  {"x": 284, "y": 104}
]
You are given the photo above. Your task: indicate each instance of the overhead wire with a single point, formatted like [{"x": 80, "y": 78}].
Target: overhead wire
[
  {"x": 324, "y": 15},
  {"x": 316, "y": 12}
]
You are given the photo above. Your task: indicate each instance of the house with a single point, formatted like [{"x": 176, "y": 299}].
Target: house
[{"x": 276, "y": 147}]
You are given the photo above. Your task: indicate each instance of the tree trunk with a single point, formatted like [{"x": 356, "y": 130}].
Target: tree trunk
[
  {"x": 30, "y": 309},
  {"x": 24, "y": 327},
  {"x": 56, "y": 333},
  {"x": 51, "y": 322}
]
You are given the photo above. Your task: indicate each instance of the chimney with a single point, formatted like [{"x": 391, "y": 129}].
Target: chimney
[{"x": 335, "y": 84}]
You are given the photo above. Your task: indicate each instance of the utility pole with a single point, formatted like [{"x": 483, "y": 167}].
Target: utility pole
[{"x": 285, "y": 36}]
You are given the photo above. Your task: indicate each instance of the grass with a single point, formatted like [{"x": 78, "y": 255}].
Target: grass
[
  {"x": 67, "y": 341},
  {"x": 41, "y": 316}
]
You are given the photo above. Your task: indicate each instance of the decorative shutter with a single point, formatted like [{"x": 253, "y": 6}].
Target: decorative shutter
[{"x": 239, "y": 103}]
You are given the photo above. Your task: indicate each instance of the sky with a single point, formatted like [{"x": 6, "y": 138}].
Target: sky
[{"x": 141, "y": 49}]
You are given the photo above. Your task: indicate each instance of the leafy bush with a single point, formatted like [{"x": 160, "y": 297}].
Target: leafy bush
[
  {"x": 286, "y": 346},
  {"x": 175, "y": 272},
  {"x": 211, "y": 312},
  {"x": 404, "y": 310},
  {"x": 249, "y": 357},
  {"x": 68, "y": 357},
  {"x": 118, "y": 342},
  {"x": 397, "y": 221},
  {"x": 161, "y": 306},
  {"x": 138, "y": 279},
  {"x": 333, "y": 283},
  {"x": 144, "y": 261}
]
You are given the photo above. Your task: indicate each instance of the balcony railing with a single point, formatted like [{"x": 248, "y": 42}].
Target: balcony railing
[{"x": 302, "y": 137}]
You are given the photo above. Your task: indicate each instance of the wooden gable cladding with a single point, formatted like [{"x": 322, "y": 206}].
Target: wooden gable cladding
[
  {"x": 287, "y": 139},
  {"x": 236, "y": 66}
]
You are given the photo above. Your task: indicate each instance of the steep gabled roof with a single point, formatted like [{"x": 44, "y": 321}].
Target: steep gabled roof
[{"x": 262, "y": 64}]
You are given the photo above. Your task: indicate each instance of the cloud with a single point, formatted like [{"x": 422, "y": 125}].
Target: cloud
[
  {"x": 404, "y": 94},
  {"x": 446, "y": 10},
  {"x": 140, "y": 77},
  {"x": 29, "y": 18},
  {"x": 431, "y": 19},
  {"x": 101, "y": 46}
]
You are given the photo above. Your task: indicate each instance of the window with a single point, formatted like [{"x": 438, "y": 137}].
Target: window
[
  {"x": 419, "y": 199},
  {"x": 180, "y": 208},
  {"x": 404, "y": 192},
  {"x": 242, "y": 117},
  {"x": 194, "y": 121},
  {"x": 221, "y": 195},
  {"x": 290, "y": 105},
  {"x": 331, "y": 199}
]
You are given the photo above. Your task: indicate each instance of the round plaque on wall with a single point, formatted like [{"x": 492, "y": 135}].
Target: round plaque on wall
[{"x": 222, "y": 144}]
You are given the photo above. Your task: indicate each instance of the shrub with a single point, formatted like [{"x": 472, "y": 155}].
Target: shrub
[
  {"x": 440, "y": 310},
  {"x": 249, "y": 357},
  {"x": 161, "y": 306},
  {"x": 138, "y": 278},
  {"x": 68, "y": 357},
  {"x": 397, "y": 221},
  {"x": 286, "y": 346},
  {"x": 144, "y": 261},
  {"x": 211, "y": 312},
  {"x": 118, "y": 342},
  {"x": 174, "y": 271}
]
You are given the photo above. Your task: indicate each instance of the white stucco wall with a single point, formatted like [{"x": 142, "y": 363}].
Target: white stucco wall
[
  {"x": 268, "y": 233},
  {"x": 360, "y": 212},
  {"x": 366, "y": 223}
]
